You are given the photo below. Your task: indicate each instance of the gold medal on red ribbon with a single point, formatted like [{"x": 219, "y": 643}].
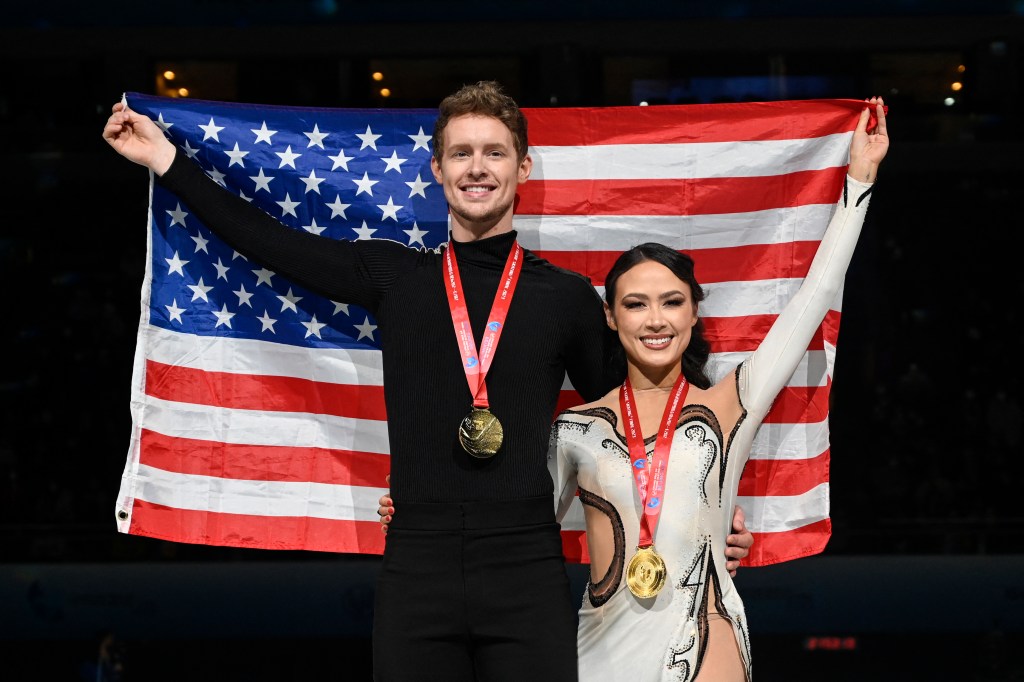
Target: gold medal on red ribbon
[
  {"x": 645, "y": 574},
  {"x": 480, "y": 432},
  {"x": 646, "y": 571}
]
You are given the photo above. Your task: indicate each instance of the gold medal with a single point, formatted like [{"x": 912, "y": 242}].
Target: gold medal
[
  {"x": 481, "y": 434},
  {"x": 645, "y": 575}
]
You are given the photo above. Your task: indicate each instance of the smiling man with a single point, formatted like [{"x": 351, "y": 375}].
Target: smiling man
[
  {"x": 473, "y": 579},
  {"x": 480, "y": 164},
  {"x": 473, "y": 584}
]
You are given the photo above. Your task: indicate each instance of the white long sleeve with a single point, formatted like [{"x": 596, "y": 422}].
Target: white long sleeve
[
  {"x": 776, "y": 358},
  {"x": 563, "y": 474}
]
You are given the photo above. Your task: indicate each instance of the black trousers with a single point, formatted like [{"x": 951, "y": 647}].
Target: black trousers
[{"x": 474, "y": 591}]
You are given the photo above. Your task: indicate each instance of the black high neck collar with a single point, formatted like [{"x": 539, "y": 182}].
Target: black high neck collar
[{"x": 488, "y": 251}]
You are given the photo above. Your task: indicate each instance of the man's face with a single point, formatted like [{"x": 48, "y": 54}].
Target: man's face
[{"x": 480, "y": 172}]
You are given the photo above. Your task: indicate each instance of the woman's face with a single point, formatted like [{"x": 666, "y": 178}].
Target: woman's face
[{"x": 653, "y": 313}]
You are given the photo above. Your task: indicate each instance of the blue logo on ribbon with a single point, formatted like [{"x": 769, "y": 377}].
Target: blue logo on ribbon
[
  {"x": 639, "y": 464},
  {"x": 471, "y": 362},
  {"x": 654, "y": 502},
  {"x": 494, "y": 326}
]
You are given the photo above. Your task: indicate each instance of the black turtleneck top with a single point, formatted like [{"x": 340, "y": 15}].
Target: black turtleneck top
[{"x": 555, "y": 325}]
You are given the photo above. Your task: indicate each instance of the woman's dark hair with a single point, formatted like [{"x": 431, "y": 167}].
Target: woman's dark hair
[{"x": 695, "y": 357}]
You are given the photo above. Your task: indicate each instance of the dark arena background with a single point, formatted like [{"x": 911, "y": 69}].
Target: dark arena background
[{"x": 924, "y": 576}]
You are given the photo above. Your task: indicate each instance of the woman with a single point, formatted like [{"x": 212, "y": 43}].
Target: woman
[
  {"x": 659, "y": 604},
  {"x": 692, "y": 626}
]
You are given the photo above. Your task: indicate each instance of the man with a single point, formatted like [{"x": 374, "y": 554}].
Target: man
[{"x": 473, "y": 584}]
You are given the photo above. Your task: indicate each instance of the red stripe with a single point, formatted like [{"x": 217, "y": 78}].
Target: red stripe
[
  {"x": 773, "y": 548},
  {"x": 263, "y": 462},
  {"x": 741, "y": 334},
  {"x": 783, "y": 476},
  {"x": 830, "y": 326},
  {"x": 746, "y": 263},
  {"x": 261, "y": 392},
  {"x": 799, "y": 404},
  {"x": 700, "y": 196},
  {"x": 574, "y": 546},
  {"x": 255, "y": 532},
  {"x": 786, "y": 120},
  {"x": 568, "y": 398}
]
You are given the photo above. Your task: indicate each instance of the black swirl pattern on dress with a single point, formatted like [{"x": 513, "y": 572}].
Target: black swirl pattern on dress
[
  {"x": 603, "y": 412},
  {"x": 732, "y": 436},
  {"x": 609, "y": 416},
  {"x": 600, "y": 592},
  {"x": 702, "y": 612},
  {"x": 677, "y": 659},
  {"x": 709, "y": 446},
  {"x": 582, "y": 427},
  {"x": 690, "y": 584}
]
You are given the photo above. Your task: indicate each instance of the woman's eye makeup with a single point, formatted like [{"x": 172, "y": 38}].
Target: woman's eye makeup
[{"x": 669, "y": 303}]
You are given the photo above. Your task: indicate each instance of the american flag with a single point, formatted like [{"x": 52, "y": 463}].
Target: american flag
[{"x": 257, "y": 406}]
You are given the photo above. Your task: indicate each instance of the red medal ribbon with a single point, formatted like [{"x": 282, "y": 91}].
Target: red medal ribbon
[
  {"x": 476, "y": 364},
  {"x": 651, "y": 486}
]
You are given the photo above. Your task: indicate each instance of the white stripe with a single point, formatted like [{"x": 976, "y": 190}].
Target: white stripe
[
  {"x": 684, "y": 232},
  {"x": 126, "y": 492},
  {"x": 830, "y": 354},
  {"x": 810, "y": 371},
  {"x": 574, "y": 518},
  {"x": 756, "y": 297},
  {"x": 777, "y": 513},
  {"x": 689, "y": 160},
  {"x": 257, "y": 498},
  {"x": 255, "y": 427},
  {"x": 740, "y": 299},
  {"x": 245, "y": 356},
  {"x": 790, "y": 441}
]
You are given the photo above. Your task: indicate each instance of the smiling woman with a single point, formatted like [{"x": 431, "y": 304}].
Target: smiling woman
[
  {"x": 679, "y": 594},
  {"x": 655, "y": 311}
]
